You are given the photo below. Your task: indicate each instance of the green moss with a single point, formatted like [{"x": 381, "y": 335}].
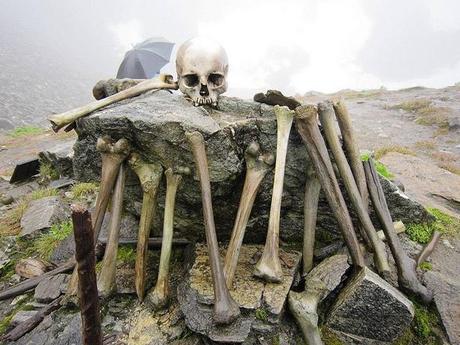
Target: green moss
[
  {"x": 261, "y": 314},
  {"x": 48, "y": 172},
  {"x": 443, "y": 223},
  {"x": 423, "y": 321},
  {"x": 381, "y": 168},
  {"x": 6, "y": 321},
  {"x": 276, "y": 340},
  {"x": 25, "y": 131},
  {"x": 426, "y": 266},
  {"x": 81, "y": 190},
  {"x": 48, "y": 242},
  {"x": 420, "y": 233},
  {"x": 329, "y": 337},
  {"x": 126, "y": 255},
  {"x": 406, "y": 339}
]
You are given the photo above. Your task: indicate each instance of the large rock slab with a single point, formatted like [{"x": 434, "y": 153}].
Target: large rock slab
[
  {"x": 155, "y": 124},
  {"x": 51, "y": 288},
  {"x": 370, "y": 308},
  {"x": 258, "y": 301},
  {"x": 42, "y": 214}
]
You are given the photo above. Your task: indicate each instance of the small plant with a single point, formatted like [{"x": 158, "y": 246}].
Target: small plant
[
  {"x": 426, "y": 266},
  {"x": 420, "y": 233},
  {"x": 423, "y": 321},
  {"x": 83, "y": 189},
  {"x": 261, "y": 314},
  {"x": 48, "y": 172},
  {"x": 126, "y": 255},
  {"x": 25, "y": 131},
  {"x": 379, "y": 153},
  {"x": 42, "y": 193},
  {"x": 451, "y": 167},
  {"x": 443, "y": 223},
  {"x": 48, "y": 242},
  {"x": 381, "y": 168}
]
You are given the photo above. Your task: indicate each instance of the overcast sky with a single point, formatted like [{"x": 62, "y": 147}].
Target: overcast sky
[{"x": 294, "y": 46}]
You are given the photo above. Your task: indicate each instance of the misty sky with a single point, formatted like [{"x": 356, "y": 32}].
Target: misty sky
[{"x": 64, "y": 47}]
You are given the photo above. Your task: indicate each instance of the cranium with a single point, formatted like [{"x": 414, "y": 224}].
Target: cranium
[{"x": 202, "y": 66}]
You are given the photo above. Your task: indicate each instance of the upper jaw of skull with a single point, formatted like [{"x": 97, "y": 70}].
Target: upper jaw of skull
[{"x": 203, "y": 89}]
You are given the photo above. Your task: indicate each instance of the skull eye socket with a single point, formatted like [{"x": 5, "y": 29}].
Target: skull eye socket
[
  {"x": 216, "y": 79},
  {"x": 191, "y": 80}
]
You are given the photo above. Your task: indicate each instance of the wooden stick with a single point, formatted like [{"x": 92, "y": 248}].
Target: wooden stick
[
  {"x": 307, "y": 126},
  {"x": 407, "y": 277},
  {"x": 310, "y": 212},
  {"x": 428, "y": 249},
  {"x": 326, "y": 115},
  {"x": 28, "y": 325},
  {"x": 86, "y": 267}
]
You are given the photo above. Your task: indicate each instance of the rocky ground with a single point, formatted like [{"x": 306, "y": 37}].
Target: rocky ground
[{"x": 414, "y": 132}]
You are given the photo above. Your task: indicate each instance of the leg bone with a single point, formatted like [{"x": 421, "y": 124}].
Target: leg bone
[
  {"x": 307, "y": 126},
  {"x": 226, "y": 309},
  {"x": 269, "y": 266},
  {"x": 310, "y": 211},
  {"x": 257, "y": 166},
  {"x": 149, "y": 176}
]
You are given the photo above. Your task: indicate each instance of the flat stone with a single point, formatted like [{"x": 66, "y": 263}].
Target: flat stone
[
  {"x": 51, "y": 288},
  {"x": 42, "y": 214},
  {"x": 195, "y": 294},
  {"x": 21, "y": 316},
  {"x": 369, "y": 307},
  {"x": 61, "y": 183}
]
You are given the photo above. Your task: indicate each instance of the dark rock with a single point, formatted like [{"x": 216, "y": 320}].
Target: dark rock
[
  {"x": 454, "y": 123},
  {"x": 42, "y": 214},
  {"x": 369, "y": 307},
  {"x": 60, "y": 157},
  {"x": 129, "y": 227},
  {"x": 21, "y": 316},
  {"x": 155, "y": 124},
  {"x": 51, "y": 288},
  {"x": 16, "y": 191},
  {"x": 64, "y": 250},
  {"x": 61, "y": 183}
]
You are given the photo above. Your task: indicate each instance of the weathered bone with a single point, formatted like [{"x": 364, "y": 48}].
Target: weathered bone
[
  {"x": 226, "y": 309},
  {"x": 106, "y": 283},
  {"x": 326, "y": 115},
  {"x": 428, "y": 249},
  {"x": 307, "y": 126},
  {"x": 149, "y": 176},
  {"x": 158, "y": 298},
  {"x": 310, "y": 211},
  {"x": 269, "y": 266},
  {"x": 257, "y": 166},
  {"x": 113, "y": 154},
  {"x": 163, "y": 81},
  {"x": 407, "y": 277}
]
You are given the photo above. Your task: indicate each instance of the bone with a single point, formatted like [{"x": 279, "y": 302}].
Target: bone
[
  {"x": 326, "y": 115},
  {"x": 163, "y": 81},
  {"x": 226, "y": 310},
  {"x": 428, "y": 249},
  {"x": 269, "y": 265},
  {"x": 106, "y": 283},
  {"x": 158, "y": 298},
  {"x": 86, "y": 267},
  {"x": 113, "y": 154},
  {"x": 149, "y": 175},
  {"x": 407, "y": 277},
  {"x": 257, "y": 166},
  {"x": 307, "y": 126},
  {"x": 310, "y": 211}
]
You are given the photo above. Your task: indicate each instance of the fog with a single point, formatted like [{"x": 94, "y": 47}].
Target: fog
[{"x": 52, "y": 52}]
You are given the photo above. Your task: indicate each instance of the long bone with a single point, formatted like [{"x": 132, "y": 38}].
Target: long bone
[
  {"x": 307, "y": 126},
  {"x": 226, "y": 309},
  {"x": 113, "y": 154},
  {"x": 310, "y": 211},
  {"x": 149, "y": 175},
  {"x": 407, "y": 277},
  {"x": 326, "y": 116},
  {"x": 257, "y": 166},
  {"x": 163, "y": 81},
  {"x": 269, "y": 266},
  {"x": 158, "y": 298},
  {"x": 354, "y": 157},
  {"x": 106, "y": 283}
]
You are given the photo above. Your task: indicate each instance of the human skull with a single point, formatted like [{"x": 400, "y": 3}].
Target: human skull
[{"x": 202, "y": 66}]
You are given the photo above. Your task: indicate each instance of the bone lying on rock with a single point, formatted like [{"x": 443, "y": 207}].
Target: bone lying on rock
[
  {"x": 307, "y": 126},
  {"x": 113, "y": 154},
  {"x": 407, "y": 277},
  {"x": 158, "y": 298},
  {"x": 162, "y": 82},
  {"x": 428, "y": 249},
  {"x": 226, "y": 310},
  {"x": 321, "y": 281},
  {"x": 326, "y": 115},
  {"x": 312, "y": 189},
  {"x": 149, "y": 175},
  {"x": 106, "y": 281},
  {"x": 269, "y": 266},
  {"x": 257, "y": 166}
]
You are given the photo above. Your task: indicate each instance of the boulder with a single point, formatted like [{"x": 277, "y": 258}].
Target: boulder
[
  {"x": 60, "y": 157},
  {"x": 42, "y": 214},
  {"x": 371, "y": 309},
  {"x": 155, "y": 124}
]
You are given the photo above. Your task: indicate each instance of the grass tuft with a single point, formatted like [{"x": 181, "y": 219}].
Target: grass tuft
[
  {"x": 427, "y": 145},
  {"x": 261, "y": 314},
  {"x": 451, "y": 167},
  {"x": 48, "y": 172},
  {"x": 48, "y": 242},
  {"x": 379, "y": 153},
  {"x": 25, "y": 131},
  {"x": 82, "y": 190},
  {"x": 126, "y": 255}
]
